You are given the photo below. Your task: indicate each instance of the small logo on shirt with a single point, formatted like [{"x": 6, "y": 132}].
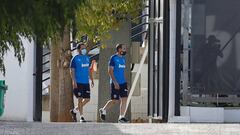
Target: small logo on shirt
[
  {"x": 85, "y": 65},
  {"x": 121, "y": 66}
]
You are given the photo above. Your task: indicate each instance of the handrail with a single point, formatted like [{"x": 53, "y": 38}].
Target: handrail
[
  {"x": 46, "y": 62},
  {"x": 45, "y": 79},
  {"x": 140, "y": 33},
  {"x": 141, "y": 16},
  {"x": 133, "y": 28},
  {"x": 45, "y": 71},
  {"x": 48, "y": 53}
]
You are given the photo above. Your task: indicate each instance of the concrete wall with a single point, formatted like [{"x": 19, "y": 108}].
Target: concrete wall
[
  {"x": 209, "y": 114},
  {"x": 20, "y": 81},
  {"x": 139, "y": 103}
]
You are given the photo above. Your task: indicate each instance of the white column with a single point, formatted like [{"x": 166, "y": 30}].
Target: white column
[
  {"x": 172, "y": 56},
  {"x": 31, "y": 68}
]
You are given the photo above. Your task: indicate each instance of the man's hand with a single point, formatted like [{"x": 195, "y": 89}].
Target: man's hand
[
  {"x": 74, "y": 84},
  {"x": 116, "y": 86},
  {"x": 92, "y": 84},
  {"x": 128, "y": 87}
]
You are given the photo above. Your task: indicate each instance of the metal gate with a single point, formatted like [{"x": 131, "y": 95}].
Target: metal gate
[{"x": 158, "y": 59}]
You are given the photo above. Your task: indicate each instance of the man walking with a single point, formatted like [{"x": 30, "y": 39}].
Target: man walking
[
  {"x": 80, "y": 73},
  {"x": 119, "y": 90}
]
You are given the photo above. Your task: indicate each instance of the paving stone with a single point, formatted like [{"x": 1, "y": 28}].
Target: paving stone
[{"x": 36, "y": 128}]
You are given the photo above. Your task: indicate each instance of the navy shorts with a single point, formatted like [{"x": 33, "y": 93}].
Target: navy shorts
[
  {"x": 83, "y": 91},
  {"x": 117, "y": 94}
]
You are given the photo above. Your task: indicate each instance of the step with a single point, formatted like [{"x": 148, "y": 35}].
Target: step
[{"x": 179, "y": 119}]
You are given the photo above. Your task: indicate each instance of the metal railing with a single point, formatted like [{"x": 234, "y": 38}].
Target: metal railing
[{"x": 141, "y": 25}]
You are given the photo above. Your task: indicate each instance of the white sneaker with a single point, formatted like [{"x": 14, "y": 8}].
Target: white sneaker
[
  {"x": 82, "y": 120},
  {"x": 102, "y": 114}
]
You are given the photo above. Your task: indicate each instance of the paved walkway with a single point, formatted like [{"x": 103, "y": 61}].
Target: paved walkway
[{"x": 30, "y": 128}]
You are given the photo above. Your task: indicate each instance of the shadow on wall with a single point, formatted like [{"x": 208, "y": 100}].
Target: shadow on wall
[{"x": 220, "y": 60}]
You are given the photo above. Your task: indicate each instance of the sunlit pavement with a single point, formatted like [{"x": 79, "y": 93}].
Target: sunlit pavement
[{"x": 34, "y": 128}]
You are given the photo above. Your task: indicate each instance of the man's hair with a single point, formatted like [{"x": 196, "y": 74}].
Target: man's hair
[
  {"x": 119, "y": 46},
  {"x": 80, "y": 45}
]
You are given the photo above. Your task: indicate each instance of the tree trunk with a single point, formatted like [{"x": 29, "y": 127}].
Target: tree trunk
[
  {"x": 121, "y": 36},
  {"x": 54, "y": 87},
  {"x": 65, "y": 91}
]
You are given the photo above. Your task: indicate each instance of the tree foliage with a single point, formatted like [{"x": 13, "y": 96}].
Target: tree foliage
[
  {"x": 30, "y": 19},
  {"x": 96, "y": 18},
  {"x": 42, "y": 19}
]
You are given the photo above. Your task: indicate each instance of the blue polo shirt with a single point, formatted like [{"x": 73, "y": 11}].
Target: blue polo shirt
[
  {"x": 81, "y": 64},
  {"x": 119, "y": 64}
]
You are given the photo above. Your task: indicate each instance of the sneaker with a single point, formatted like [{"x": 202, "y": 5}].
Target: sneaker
[
  {"x": 74, "y": 115},
  {"x": 102, "y": 114},
  {"x": 82, "y": 120},
  {"x": 123, "y": 120}
]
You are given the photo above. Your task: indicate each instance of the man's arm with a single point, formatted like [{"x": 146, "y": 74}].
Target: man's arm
[
  {"x": 91, "y": 74},
  {"x": 72, "y": 73},
  {"x": 111, "y": 74}
]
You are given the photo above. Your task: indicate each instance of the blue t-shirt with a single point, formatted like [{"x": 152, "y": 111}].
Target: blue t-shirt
[
  {"x": 119, "y": 64},
  {"x": 81, "y": 64}
]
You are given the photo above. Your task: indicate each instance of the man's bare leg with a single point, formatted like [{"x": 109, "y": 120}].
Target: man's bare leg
[{"x": 107, "y": 106}]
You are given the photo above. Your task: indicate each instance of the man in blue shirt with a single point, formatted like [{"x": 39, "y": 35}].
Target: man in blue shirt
[
  {"x": 119, "y": 88},
  {"x": 81, "y": 73}
]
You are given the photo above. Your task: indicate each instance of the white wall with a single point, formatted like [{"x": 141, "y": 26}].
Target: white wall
[{"x": 20, "y": 81}]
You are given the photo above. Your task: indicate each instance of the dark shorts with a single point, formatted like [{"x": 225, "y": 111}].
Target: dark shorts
[
  {"x": 117, "y": 94},
  {"x": 83, "y": 91}
]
